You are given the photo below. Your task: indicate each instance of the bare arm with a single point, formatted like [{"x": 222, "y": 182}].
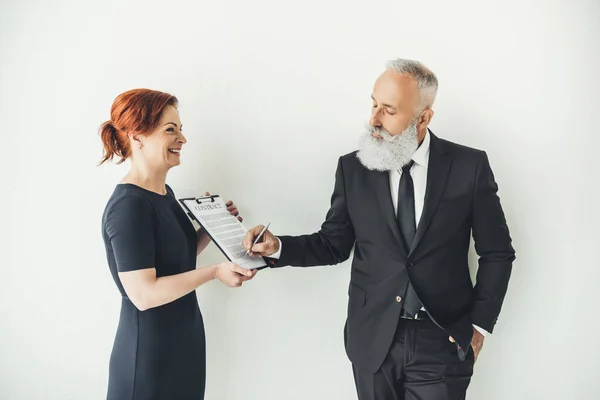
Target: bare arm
[
  {"x": 130, "y": 228},
  {"x": 203, "y": 240},
  {"x": 147, "y": 291}
]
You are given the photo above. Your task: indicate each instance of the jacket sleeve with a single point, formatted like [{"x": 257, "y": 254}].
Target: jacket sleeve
[
  {"x": 332, "y": 244},
  {"x": 493, "y": 245}
]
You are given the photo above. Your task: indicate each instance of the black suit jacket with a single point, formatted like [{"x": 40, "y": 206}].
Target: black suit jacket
[{"x": 461, "y": 197}]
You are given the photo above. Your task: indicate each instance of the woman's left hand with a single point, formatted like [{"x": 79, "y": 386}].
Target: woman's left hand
[{"x": 232, "y": 208}]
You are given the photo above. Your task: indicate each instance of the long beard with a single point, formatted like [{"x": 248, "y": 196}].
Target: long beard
[{"x": 390, "y": 153}]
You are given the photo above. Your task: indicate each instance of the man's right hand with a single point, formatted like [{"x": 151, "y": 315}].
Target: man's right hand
[{"x": 267, "y": 246}]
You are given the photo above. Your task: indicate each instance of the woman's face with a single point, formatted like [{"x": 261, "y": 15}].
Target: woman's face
[{"x": 162, "y": 147}]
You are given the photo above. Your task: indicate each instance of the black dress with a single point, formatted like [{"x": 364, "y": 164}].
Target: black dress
[{"x": 159, "y": 353}]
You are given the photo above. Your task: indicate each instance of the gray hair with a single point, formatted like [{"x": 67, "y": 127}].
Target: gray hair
[{"x": 427, "y": 81}]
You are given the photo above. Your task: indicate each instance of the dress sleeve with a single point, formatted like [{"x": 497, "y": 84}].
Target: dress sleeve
[{"x": 130, "y": 229}]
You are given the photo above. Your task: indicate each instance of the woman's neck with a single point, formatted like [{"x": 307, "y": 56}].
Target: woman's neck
[{"x": 147, "y": 178}]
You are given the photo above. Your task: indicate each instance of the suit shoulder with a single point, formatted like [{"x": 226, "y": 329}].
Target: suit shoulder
[
  {"x": 462, "y": 151},
  {"x": 349, "y": 157},
  {"x": 460, "y": 148},
  {"x": 350, "y": 160}
]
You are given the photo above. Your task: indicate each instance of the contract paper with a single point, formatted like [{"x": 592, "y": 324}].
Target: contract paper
[{"x": 226, "y": 231}]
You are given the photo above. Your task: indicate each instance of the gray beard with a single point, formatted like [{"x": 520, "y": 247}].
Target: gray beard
[{"x": 390, "y": 153}]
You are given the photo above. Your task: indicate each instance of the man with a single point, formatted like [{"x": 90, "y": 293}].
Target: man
[{"x": 408, "y": 201}]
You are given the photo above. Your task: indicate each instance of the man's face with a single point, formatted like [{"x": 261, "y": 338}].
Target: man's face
[
  {"x": 393, "y": 133},
  {"x": 395, "y": 100}
]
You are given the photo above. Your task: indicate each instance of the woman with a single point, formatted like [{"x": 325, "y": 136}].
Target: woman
[{"x": 151, "y": 246}]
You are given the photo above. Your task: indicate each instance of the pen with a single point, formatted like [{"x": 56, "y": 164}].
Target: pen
[{"x": 258, "y": 238}]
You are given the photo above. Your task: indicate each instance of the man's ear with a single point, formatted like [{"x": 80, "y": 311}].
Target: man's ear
[{"x": 425, "y": 118}]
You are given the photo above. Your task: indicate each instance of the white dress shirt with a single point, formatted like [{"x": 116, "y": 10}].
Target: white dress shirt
[{"x": 418, "y": 172}]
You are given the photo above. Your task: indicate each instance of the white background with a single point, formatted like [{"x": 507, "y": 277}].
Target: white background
[{"x": 271, "y": 94}]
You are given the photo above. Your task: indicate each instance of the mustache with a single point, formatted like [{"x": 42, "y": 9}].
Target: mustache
[{"x": 388, "y": 137}]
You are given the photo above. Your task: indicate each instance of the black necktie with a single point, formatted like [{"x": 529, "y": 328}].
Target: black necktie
[{"x": 408, "y": 227}]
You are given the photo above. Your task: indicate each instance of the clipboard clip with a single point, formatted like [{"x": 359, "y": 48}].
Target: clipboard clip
[{"x": 201, "y": 200}]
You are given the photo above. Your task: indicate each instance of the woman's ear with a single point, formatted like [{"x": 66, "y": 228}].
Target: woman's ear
[{"x": 136, "y": 140}]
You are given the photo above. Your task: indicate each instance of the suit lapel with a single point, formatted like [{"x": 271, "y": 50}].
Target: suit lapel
[
  {"x": 437, "y": 175},
  {"x": 381, "y": 184}
]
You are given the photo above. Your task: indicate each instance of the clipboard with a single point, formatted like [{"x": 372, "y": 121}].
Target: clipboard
[{"x": 196, "y": 207}]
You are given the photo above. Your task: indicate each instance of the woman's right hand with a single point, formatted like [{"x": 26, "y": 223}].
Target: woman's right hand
[{"x": 232, "y": 274}]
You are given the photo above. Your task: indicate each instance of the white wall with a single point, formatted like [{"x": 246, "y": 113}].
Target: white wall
[{"x": 271, "y": 94}]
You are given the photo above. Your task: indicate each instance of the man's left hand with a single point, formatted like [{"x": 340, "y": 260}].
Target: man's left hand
[{"x": 476, "y": 342}]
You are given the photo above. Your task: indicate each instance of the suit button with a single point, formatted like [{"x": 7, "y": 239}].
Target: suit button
[{"x": 398, "y": 299}]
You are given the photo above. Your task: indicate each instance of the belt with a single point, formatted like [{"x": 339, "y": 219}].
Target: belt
[{"x": 420, "y": 316}]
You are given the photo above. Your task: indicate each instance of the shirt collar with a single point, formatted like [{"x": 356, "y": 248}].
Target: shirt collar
[{"x": 421, "y": 156}]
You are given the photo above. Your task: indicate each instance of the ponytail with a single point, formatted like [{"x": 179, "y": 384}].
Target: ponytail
[{"x": 113, "y": 143}]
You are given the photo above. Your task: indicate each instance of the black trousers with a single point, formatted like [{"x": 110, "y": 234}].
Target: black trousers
[{"x": 422, "y": 364}]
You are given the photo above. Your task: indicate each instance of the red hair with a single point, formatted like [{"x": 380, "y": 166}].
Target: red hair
[{"x": 137, "y": 110}]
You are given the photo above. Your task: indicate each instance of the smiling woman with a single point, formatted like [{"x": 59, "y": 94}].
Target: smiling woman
[
  {"x": 151, "y": 246},
  {"x": 126, "y": 118}
]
